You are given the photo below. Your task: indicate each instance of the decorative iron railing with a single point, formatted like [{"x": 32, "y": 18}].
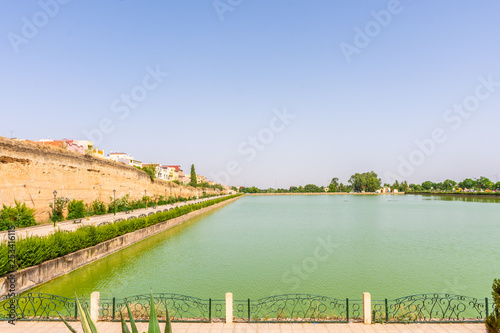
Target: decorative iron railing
[
  {"x": 301, "y": 308},
  {"x": 181, "y": 308},
  {"x": 281, "y": 308},
  {"x": 217, "y": 309},
  {"x": 431, "y": 308},
  {"x": 39, "y": 306}
]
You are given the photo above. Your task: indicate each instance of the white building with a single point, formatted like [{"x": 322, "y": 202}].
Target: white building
[{"x": 124, "y": 158}]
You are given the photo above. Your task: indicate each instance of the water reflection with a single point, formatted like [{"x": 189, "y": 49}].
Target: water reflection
[{"x": 462, "y": 197}]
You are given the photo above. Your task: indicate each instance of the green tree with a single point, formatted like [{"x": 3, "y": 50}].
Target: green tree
[
  {"x": 493, "y": 321},
  {"x": 467, "y": 183},
  {"x": 312, "y": 188},
  {"x": 484, "y": 183},
  {"x": 150, "y": 170},
  {"x": 58, "y": 210},
  {"x": 252, "y": 189},
  {"x": 367, "y": 181},
  {"x": 427, "y": 185},
  {"x": 372, "y": 184},
  {"x": 395, "y": 186},
  {"x": 403, "y": 186},
  {"x": 193, "y": 181},
  {"x": 334, "y": 185},
  {"x": 345, "y": 188},
  {"x": 449, "y": 184}
]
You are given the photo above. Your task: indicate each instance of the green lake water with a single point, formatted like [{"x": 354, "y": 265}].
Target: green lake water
[{"x": 338, "y": 246}]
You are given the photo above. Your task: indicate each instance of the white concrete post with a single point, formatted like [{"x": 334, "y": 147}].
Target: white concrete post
[
  {"x": 367, "y": 308},
  {"x": 229, "y": 308},
  {"x": 94, "y": 306}
]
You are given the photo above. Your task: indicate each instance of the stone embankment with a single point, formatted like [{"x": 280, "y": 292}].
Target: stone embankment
[{"x": 33, "y": 276}]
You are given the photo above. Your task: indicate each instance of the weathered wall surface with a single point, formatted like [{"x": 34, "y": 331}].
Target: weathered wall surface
[
  {"x": 33, "y": 276},
  {"x": 30, "y": 173}
]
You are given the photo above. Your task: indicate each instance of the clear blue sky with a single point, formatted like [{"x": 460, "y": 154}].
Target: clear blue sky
[{"x": 65, "y": 69}]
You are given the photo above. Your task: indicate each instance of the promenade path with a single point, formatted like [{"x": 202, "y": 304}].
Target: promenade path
[
  {"x": 46, "y": 229},
  {"x": 107, "y": 327}
]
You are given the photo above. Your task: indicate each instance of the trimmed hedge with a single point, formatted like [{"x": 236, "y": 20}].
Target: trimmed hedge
[{"x": 34, "y": 250}]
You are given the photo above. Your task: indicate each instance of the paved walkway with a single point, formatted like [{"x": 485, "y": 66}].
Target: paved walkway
[
  {"x": 45, "y": 229},
  {"x": 106, "y": 327}
]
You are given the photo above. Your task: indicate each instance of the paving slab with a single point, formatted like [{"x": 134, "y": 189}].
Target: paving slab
[{"x": 115, "y": 327}]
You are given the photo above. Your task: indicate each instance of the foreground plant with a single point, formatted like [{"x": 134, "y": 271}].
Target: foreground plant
[
  {"x": 19, "y": 215},
  {"x": 493, "y": 320},
  {"x": 88, "y": 325}
]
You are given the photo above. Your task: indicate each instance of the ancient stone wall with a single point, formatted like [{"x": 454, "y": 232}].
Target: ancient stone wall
[{"x": 30, "y": 173}]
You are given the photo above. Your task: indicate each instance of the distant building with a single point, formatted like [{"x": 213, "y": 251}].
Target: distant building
[
  {"x": 182, "y": 177},
  {"x": 86, "y": 144},
  {"x": 201, "y": 179},
  {"x": 159, "y": 172},
  {"x": 185, "y": 179},
  {"x": 173, "y": 172},
  {"x": 228, "y": 189},
  {"x": 124, "y": 158},
  {"x": 77, "y": 146}
]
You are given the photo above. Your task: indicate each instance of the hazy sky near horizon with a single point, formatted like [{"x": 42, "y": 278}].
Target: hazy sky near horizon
[{"x": 265, "y": 93}]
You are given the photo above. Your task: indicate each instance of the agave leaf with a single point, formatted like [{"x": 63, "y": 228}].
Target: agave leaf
[
  {"x": 124, "y": 324},
  {"x": 66, "y": 323},
  {"x": 168, "y": 325},
  {"x": 154, "y": 326},
  {"x": 132, "y": 321},
  {"x": 91, "y": 323},
  {"x": 84, "y": 317}
]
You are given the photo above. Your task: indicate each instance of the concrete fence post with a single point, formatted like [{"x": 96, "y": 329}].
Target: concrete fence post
[
  {"x": 229, "y": 308},
  {"x": 94, "y": 306},
  {"x": 367, "y": 308}
]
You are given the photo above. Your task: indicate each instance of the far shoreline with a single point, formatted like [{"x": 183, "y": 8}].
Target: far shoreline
[
  {"x": 327, "y": 193},
  {"x": 460, "y": 194}
]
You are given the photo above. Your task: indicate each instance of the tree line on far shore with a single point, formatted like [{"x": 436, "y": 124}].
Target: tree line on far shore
[{"x": 369, "y": 182}]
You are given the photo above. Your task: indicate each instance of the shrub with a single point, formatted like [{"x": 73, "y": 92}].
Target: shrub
[
  {"x": 136, "y": 204},
  {"x": 121, "y": 204},
  {"x": 19, "y": 216},
  {"x": 150, "y": 170},
  {"x": 493, "y": 320},
  {"x": 97, "y": 208},
  {"x": 76, "y": 209},
  {"x": 58, "y": 211}
]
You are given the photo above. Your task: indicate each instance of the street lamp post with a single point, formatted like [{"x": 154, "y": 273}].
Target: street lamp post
[
  {"x": 145, "y": 199},
  {"x": 114, "y": 201},
  {"x": 54, "y": 208}
]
